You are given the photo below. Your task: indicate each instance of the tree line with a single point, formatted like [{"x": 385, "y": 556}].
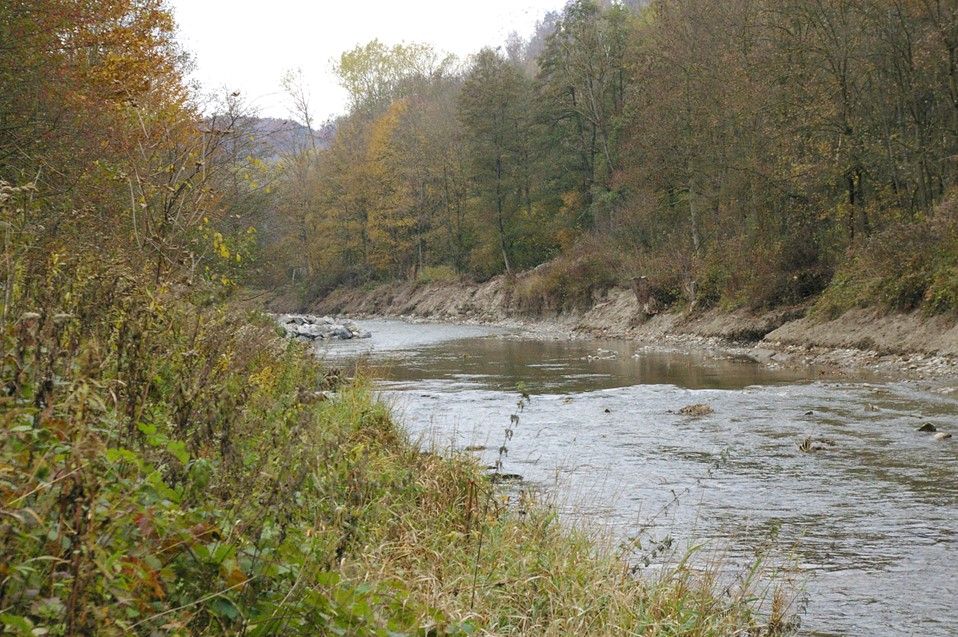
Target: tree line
[
  {"x": 742, "y": 150},
  {"x": 112, "y": 154},
  {"x": 745, "y": 152}
]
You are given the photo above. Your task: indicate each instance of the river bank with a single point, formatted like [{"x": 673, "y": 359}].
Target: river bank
[
  {"x": 905, "y": 345},
  {"x": 839, "y": 477},
  {"x": 233, "y": 484}
]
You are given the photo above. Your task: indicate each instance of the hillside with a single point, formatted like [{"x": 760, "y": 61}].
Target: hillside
[
  {"x": 736, "y": 154},
  {"x": 279, "y": 138}
]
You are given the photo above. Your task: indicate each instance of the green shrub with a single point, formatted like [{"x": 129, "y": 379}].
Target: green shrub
[
  {"x": 742, "y": 272},
  {"x": 942, "y": 294},
  {"x": 911, "y": 265},
  {"x": 437, "y": 274},
  {"x": 666, "y": 274},
  {"x": 171, "y": 468}
]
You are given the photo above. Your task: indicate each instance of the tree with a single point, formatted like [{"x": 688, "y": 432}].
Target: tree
[
  {"x": 94, "y": 111},
  {"x": 374, "y": 74},
  {"x": 493, "y": 109},
  {"x": 392, "y": 222},
  {"x": 583, "y": 80}
]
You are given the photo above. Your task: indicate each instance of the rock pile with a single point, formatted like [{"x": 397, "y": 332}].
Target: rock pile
[{"x": 319, "y": 327}]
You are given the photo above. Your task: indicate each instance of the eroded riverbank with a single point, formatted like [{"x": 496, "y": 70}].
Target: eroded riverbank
[{"x": 902, "y": 345}]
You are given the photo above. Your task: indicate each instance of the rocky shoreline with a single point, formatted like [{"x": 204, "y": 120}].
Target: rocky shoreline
[
  {"x": 905, "y": 345},
  {"x": 311, "y": 328}
]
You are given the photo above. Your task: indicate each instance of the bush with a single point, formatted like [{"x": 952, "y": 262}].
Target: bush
[
  {"x": 569, "y": 282},
  {"x": 667, "y": 274},
  {"x": 941, "y": 297},
  {"x": 911, "y": 265},
  {"x": 739, "y": 272},
  {"x": 169, "y": 467},
  {"x": 437, "y": 274}
]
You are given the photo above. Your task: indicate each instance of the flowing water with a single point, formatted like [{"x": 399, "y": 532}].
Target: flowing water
[{"x": 870, "y": 522}]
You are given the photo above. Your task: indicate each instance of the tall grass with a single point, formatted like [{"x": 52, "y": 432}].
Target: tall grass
[{"x": 171, "y": 466}]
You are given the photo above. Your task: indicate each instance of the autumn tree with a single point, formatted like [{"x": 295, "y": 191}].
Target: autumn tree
[
  {"x": 96, "y": 114},
  {"x": 737, "y": 151},
  {"x": 374, "y": 74}
]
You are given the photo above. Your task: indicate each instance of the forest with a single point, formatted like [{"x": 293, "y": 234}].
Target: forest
[{"x": 744, "y": 153}]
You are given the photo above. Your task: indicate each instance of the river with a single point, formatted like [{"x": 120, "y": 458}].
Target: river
[{"x": 868, "y": 525}]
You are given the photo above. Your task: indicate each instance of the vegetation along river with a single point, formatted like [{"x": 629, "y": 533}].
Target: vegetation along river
[{"x": 868, "y": 523}]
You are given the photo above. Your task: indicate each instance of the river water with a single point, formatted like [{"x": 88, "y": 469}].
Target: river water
[{"x": 868, "y": 526}]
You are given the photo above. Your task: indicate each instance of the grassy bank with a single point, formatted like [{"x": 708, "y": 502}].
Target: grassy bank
[{"x": 169, "y": 467}]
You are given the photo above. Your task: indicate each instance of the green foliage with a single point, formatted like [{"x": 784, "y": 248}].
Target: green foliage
[
  {"x": 437, "y": 274},
  {"x": 374, "y": 74},
  {"x": 494, "y": 108},
  {"x": 181, "y": 474},
  {"x": 909, "y": 266},
  {"x": 582, "y": 84}
]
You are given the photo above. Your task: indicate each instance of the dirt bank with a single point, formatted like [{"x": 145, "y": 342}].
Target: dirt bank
[{"x": 908, "y": 344}]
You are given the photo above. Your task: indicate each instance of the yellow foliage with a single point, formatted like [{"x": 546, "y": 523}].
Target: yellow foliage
[
  {"x": 392, "y": 218},
  {"x": 219, "y": 245}
]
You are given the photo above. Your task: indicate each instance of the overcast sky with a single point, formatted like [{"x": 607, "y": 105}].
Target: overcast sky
[{"x": 247, "y": 45}]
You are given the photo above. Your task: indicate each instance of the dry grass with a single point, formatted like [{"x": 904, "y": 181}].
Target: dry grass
[{"x": 170, "y": 469}]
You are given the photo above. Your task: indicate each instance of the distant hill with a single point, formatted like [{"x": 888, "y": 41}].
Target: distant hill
[{"x": 274, "y": 137}]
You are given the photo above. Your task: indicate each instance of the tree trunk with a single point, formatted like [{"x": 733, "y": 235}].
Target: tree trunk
[
  {"x": 499, "y": 218},
  {"x": 693, "y": 217}
]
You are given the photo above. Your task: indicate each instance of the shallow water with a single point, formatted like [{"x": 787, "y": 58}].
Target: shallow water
[{"x": 870, "y": 523}]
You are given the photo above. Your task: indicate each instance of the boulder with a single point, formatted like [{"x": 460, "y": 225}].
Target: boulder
[
  {"x": 696, "y": 410},
  {"x": 342, "y": 332}
]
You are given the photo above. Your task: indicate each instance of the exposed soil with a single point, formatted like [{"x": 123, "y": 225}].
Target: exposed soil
[{"x": 900, "y": 344}]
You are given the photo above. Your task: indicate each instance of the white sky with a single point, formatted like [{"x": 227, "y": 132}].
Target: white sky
[{"x": 247, "y": 45}]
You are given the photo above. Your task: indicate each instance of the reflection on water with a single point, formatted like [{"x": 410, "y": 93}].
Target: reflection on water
[
  {"x": 873, "y": 519},
  {"x": 570, "y": 367}
]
